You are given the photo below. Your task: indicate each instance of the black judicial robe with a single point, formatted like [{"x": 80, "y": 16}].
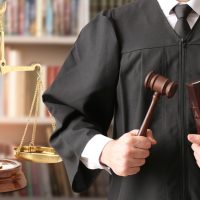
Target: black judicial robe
[{"x": 104, "y": 76}]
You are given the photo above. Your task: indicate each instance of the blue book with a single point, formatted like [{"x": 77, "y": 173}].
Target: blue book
[
  {"x": 26, "y": 18},
  {"x": 49, "y": 17},
  {"x": 32, "y": 16},
  {"x": 74, "y": 18}
]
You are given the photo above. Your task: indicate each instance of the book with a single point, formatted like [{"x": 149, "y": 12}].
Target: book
[
  {"x": 194, "y": 97},
  {"x": 12, "y": 97},
  {"x": 32, "y": 17},
  {"x": 66, "y": 20},
  {"x": 21, "y": 17},
  {"x": 49, "y": 17},
  {"x": 83, "y": 17},
  {"x": 39, "y": 17},
  {"x": 74, "y": 18},
  {"x": 45, "y": 17},
  {"x": 26, "y": 18}
]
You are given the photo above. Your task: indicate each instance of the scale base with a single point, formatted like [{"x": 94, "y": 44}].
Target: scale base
[{"x": 11, "y": 176}]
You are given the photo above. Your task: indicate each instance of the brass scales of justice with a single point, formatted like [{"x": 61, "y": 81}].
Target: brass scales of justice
[{"x": 29, "y": 152}]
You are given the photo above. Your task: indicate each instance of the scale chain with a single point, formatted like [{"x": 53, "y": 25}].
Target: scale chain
[{"x": 30, "y": 114}]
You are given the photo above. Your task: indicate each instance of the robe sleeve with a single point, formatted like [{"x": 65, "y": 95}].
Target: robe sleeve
[{"x": 82, "y": 97}]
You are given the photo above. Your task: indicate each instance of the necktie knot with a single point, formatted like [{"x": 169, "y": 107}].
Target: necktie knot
[{"x": 182, "y": 11}]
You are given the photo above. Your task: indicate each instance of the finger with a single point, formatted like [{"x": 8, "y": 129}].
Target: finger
[
  {"x": 149, "y": 135},
  {"x": 141, "y": 142},
  {"x": 136, "y": 162},
  {"x": 139, "y": 153},
  {"x": 132, "y": 170},
  {"x": 137, "y": 141},
  {"x": 198, "y": 163},
  {"x": 196, "y": 148},
  {"x": 197, "y": 157},
  {"x": 134, "y": 132},
  {"x": 194, "y": 138}
]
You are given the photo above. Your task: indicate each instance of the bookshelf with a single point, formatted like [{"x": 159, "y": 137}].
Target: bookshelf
[
  {"x": 49, "y": 49},
  {"x": 42, "y": 40}
]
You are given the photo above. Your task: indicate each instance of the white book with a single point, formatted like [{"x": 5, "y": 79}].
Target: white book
[
  {"x": 39, "y": 17},
  {"x": 14, "y": 59},
  {"x": 83, "y": 13}
]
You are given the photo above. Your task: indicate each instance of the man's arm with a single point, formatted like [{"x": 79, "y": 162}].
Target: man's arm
[
  {"x": 82, "y": 97},
  {"x": 124, "y": 156},
  {"x": 92, "y": 151}
]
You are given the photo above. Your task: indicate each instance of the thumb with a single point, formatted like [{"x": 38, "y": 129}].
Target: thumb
[
  {"x": 194, "y": 138},
  {"x": 149, "y": 135}
]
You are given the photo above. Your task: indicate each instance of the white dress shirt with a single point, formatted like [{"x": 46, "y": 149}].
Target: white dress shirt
[{"x": 92, "y": 151}]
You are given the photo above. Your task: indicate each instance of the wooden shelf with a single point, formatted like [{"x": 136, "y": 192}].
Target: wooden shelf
[
  {"x": 43, "y": 40},
  {"x": 23, "y": 120}
]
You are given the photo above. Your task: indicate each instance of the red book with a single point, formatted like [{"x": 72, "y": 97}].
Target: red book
[
  {"x": 194, "y": 96},
  {"x": 52, "y": 72}
]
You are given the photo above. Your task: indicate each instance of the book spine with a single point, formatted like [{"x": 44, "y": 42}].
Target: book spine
[
  {"x": 39, "y": 17},
  {"x": 83, "y": 14},
  {"x": 21, "y": 17},
  {"x": 32, "y": 16},
  {"x": 66, "y": 22},
  {"x": 8, "y": 27},
  {"x": 194, "y": 105},
  {"x": 27, "y": 17},
  {"x": 61, "y": 17},
  {"x": 49, "y": 17},
  {"x": 15, "y": 17},
  {"x": 14, "y": 58},
  {"x": 74, "y": 18},
  {"x": 56, "y": 17}
]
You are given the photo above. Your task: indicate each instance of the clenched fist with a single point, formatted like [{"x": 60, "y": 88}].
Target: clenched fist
[
  {"x": 195, "y": 140},
  {"x": 127, "y": 154}
]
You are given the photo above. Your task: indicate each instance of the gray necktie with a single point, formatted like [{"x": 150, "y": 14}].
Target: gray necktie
[{"x": 182, "y": 27}]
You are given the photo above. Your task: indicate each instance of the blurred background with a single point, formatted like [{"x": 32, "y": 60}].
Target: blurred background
[{"x": 41, "y": 31}]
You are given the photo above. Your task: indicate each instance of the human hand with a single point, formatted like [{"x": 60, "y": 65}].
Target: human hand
[
  {"x": 195, "y": 140},
  {"x": 127, "y": 154}
]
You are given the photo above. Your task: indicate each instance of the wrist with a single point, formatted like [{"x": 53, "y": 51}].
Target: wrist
[{"x": 105, "y": 154}]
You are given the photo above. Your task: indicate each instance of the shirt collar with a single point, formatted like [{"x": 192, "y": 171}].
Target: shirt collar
[
  {"x": 167, "y": 5},
  {"x": 195, "y": 5}
]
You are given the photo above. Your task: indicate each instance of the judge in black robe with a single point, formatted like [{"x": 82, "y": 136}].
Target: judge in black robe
[{"x": 104, "y": 76}]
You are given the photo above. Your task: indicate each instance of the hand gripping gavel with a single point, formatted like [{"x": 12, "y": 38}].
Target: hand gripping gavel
[{"x": 161, "y": 86}]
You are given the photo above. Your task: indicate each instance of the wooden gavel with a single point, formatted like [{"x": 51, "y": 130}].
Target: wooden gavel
[{"x": 161, "y": 86}]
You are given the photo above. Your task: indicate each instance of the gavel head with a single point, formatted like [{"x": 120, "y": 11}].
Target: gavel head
[{"x": 160, "y": 84}]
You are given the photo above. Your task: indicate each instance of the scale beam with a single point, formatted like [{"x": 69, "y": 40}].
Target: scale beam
[{"x": 7, "y": 69}]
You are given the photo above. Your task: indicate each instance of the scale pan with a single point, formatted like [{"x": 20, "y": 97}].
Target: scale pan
[{"x": 37, "y": 154}]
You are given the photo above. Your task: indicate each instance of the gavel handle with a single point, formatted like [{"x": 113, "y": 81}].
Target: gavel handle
[{"x": 145, "y": 124}]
